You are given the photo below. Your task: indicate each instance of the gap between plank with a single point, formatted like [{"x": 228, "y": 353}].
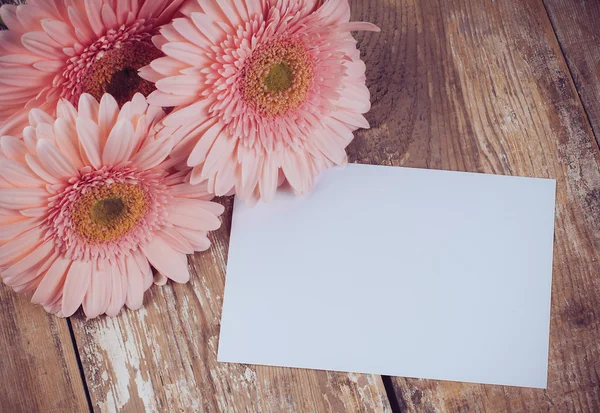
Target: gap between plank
[
  {"x": 80, "y": 366},
  {"x": 391, "y": 395},
  {"x": 595, "y": 133}
]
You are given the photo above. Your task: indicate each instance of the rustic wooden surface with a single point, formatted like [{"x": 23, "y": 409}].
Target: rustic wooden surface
[
  {"x": 38, "y": 367},
  {"x": 483, "y": 87},
  {"x": 459, "y": 84},
  {"x": 577, "y": 23}
]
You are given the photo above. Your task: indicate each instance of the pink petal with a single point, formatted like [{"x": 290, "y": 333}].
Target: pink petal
[
  {"x": 358, "y": 26},
  {"x": 167, "y": 261},
  {"x": 176, "y": 241},
  {"x": 13, "y": 148},
  {"x": 92, "y": 9},
  {"x": 41, "y": 44},
  {"x": 181, "y": 85},
  {"x": 89, "y": 137},
  {"x": 52, "y": 283},
  {"x": 7, "y": 232},
  {"x": 153, "y": 153},
  {"x": 109, "y": 17},
  {"x": 59, "y": 31},
  {"x": 268, "y": 180},
  {"x": 120, "y": 144},
  {"x": 195, "y": 214},
  {"x": 158, "y": 98},
  {"x": 186, "y": 53},
  {"x": 54, "y": 161},
  {"x": 119, "y": 290},
  {"x": 19, "y": 174},
  {"x": 66, "y": 111},
  {"x": 76, "y": 286},
  {"x": 167, "y": 66},
  {"x": 34, "y": 163},
  {"x": 95, "y": 296},
  {"x": 22, "y": 198},
  {"x": 20, "y": 246},
  {"x": 67, "y": 142},
  {"x": 197, "y": 239},
  {"x": 28, "y": 262},
  {"x": 135, "y": 284},
  {"x": 210, "y": 30},
  {"x": 88, "y": 107},
  {"x": 205, "y": 144}
]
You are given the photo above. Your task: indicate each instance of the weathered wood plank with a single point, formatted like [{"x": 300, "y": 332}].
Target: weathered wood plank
[
  {"x": 483, "y": 86},
  {"x": 38, "y": 367},
  {"x": 577, "y": 26},
  {"x": 163, "y": 357}
]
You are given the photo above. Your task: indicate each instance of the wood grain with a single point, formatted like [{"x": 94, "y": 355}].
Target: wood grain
[
  {"x": 577, "y": 26},
  {"x": 38, "y": 368},
  {"x": 482, "y": 86},
  {"x": 163, "y": 357}
]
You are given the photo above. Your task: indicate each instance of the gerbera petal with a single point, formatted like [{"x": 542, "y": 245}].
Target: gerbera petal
[
  {"x": 28, "y": 262},
  {"x": 153, "y": 153},
  {"x": 22, "y": 198},
  {"x": 54, "y": 161},
  {"x": 41, "y": 44},
  {"x": 185, "y": 52},
  {"x": 76, "y": 286},
  {"x": 13, "y": 148},
  {"x": 268, "y": 180},
  {"x": 89, "y": 137},
  {"x": 135, "y": 284},
  {"x": 59, "y": 31},
  {"x": 166, "y": 260},
  {"x": 95, "y": 295},
  {"x": 67, "y": 141},
  {"x": 88, "y": 107},
  {"x": 120, "y": 144},
  {"x": 20, "y": 246},
  {"x": 205, "y": 144},
  {"x": 197, "y": 239},
  {"x": 204, "y": 214},
  {"x": 34, "y": 163},
  {"x": 119, "y": 290},
  {"x": 19, "y": 174},
  {"x": 108, "y": 111},
  {"x": 176, "y": 241},
  {"x": 10, "y": 231},
  {"x": 109, "y": 18}
]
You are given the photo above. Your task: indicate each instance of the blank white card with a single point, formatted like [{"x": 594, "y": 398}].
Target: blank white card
[{"x": 396, "y": 271}]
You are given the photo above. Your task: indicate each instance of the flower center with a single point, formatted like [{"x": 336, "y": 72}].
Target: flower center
[
  {"x": 280, "y": 78},
  {"x": 107, "y": 212},
  {"x": 114, "y": 71},
  {"x": 277, "y": 77}
]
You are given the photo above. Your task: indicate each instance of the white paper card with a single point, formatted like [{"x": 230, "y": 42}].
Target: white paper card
[{"x": 396, "y": 271}]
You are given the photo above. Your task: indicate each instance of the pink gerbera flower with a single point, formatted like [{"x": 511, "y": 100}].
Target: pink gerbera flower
[
  {"x": 63, "y": 48},
  {"x": 268, "y": 90},
  {"x": 87, "y": 204}
]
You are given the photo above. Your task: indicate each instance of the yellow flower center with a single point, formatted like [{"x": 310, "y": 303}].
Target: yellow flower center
[
  {"x": 276, "y": 79},
  {"x": 280, "y": 78},
  {"x": 115, "y": 71},
  {"x": 107, "y": 212}
]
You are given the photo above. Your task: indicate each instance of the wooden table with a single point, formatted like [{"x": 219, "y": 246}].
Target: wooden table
[{"x": 497, "y": 86}]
